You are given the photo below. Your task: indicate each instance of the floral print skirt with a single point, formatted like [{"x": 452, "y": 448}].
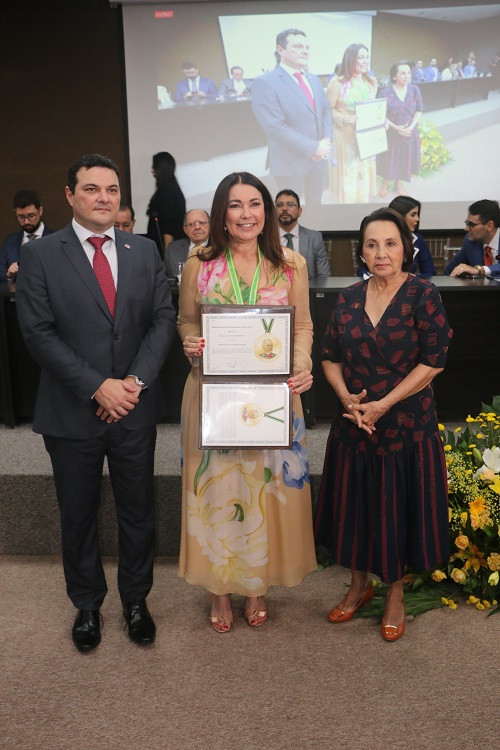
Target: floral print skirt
[{"x": 246, "y": 514}]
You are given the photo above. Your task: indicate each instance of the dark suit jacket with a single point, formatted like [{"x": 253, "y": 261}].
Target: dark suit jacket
[
  {"x": 70, "y": 332},
  {"x": 11, "y": 250},
  {"x": 206, "y": 85},
  {"x": 312, "y": 247},
  {"x": 471, "y": 253},
  {"x": 227, "y": 89},
  {"x": 292, "y": 126},
  {"x": 176, "y": 253}
]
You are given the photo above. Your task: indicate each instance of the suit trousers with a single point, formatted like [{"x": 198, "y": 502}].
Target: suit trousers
[
  {"x": 77, "y": 467},
  {"x": 309, "y": 185}
]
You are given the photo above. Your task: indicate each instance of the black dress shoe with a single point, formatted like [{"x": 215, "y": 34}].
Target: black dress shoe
[
  {"x": 86, "y": 631},
  {"x": 141, "y": 627}
]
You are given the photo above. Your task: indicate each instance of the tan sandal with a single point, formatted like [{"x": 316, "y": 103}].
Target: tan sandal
[
  {"x": 221, "y": 624},
  {"x": 256, "y": 618}
]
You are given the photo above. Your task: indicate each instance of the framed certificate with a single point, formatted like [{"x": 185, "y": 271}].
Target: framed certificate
[
  {"x": 245, "y": 415},
  {"x": 372, "y": 142},
  {"x": 370, "y": 114},
  {"x": 242, "y": 340}
]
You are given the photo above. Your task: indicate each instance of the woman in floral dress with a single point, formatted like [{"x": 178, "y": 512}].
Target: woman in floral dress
[
  {"x": 246, "y": 514},
  {"x": 352, "y": 180}
]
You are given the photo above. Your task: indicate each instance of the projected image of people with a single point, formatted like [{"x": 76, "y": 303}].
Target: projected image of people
[
  {"x": 404, "y": 110},
  {"x": 345, "y": 107},
  {"x": 291, "y": 107},
  {"x": 352, "y": 180}
]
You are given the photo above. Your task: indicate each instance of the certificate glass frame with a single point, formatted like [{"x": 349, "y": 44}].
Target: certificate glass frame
[
  {"x": 371, "y": 133},
  {"x": 243, "y": 340},
  {"x": 236, "y": 414}
]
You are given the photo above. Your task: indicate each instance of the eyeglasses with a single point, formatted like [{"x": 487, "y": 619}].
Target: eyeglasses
[
  {"x": 192, "y": 224},
  {"x": 472, "y": 224},
  {"x": 27, "y": 217},
  {"x": 288, "y": 204}
]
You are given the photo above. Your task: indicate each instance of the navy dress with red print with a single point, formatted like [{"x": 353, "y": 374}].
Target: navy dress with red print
[
  {"x": 402, "y": 158},
  {"x": 383, "y": 502}
]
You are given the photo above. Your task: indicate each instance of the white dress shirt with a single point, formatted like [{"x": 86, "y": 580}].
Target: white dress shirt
[{"x": 109, "y": 247}]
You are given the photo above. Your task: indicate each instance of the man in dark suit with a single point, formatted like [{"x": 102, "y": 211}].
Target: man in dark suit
[
  {"x": 480, "y": 253},
  {"x": 96, "y": 313},
  {"x": 29, "y": 212},
  {"x": 291, "y": 107},
  {"x": 194, "y": 88},
  {"x": 197, "y": 229},
  {"x": 236, "y": 86},
  {"x": 307, "y": 242}
]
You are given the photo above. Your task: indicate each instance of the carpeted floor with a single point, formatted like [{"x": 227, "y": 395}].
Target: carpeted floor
[{"x": 298, "y": 682}]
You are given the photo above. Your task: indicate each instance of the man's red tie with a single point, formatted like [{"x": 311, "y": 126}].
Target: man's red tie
[
  {"x": 102, "y": 270},
  {"x": 305, "y": 88},
  {"x": 488, "y": 256}
]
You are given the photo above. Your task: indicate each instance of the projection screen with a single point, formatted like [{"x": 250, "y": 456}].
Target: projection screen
[{"x": 217, "y": 132}]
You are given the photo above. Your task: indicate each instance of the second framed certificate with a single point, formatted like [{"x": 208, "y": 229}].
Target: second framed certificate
[{"x": 242, "y": 340}]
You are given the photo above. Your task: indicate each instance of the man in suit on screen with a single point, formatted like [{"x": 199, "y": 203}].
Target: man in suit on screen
[
  {"x": 194, "y": 88},
  {"x": 480, "y": 253},
  {"x": 291, "y": 107},
  {"x": 307, "y": 242},
  {"x": 96, "y": 313}
]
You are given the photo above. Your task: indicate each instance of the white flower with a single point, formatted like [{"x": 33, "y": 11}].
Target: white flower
[
  {"x": 491, "y": 458},
  {"x": 485, "y": 474}
]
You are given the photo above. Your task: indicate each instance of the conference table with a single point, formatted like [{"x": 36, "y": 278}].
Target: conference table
[{"x": 471, "y": 376}]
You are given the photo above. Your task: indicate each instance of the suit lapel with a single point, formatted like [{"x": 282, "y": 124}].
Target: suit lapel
[
  {"x": 301, "y": 97},
  {"x": 124, "y": 250},
  {"x": 302, "y": 242},
  {"x": 73, "y": 249}
]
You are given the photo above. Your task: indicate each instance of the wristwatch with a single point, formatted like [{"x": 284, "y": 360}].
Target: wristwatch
[
  {"x": 138, "y": 381},
  {"x": 481, "y": 270}
]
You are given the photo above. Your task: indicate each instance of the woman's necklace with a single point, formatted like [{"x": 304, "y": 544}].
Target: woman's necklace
[{"x": 234, "y": 278}]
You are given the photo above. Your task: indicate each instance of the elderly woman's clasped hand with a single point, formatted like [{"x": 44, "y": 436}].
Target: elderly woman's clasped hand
[{"x": 363, "y": 415}]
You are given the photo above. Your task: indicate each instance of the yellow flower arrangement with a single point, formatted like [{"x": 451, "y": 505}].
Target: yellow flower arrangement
[{"x": 473, "y": 464}]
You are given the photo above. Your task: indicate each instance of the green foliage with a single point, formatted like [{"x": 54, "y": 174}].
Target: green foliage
[{"x": 434, "y": 154}]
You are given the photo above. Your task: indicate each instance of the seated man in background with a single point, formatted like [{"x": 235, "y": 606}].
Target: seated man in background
[
  {"x": 125, "y": 218},
  {"x": 479, "y": 255},
  {"x": 432, "y": 71},
  {"x": 307, "y": 242},
  {"x": 418, "y": 73},
  {"x": 29, "y": 211},
  {"x": 194, "y": 87},
  {"x": 236, "y": 85},
  {"x": 197, "y": 228}
]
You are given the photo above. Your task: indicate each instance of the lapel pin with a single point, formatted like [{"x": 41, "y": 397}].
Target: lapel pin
[{"x": 128, "y": 247}]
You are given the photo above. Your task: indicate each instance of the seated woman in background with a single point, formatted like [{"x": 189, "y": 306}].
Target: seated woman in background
[
  {"x": 167, "y": 207},
  {"x": 383, "y": 500},
  {"x": 353, "y": 180},
  {"x": 410, "y": 210}
]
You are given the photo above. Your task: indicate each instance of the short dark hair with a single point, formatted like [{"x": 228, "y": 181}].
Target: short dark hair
[
  {"x": 282, "y": 40},
  {"x": 236, "y": 67},
  {"x": 88, "y": 161},
  {"x": 25, "y": 198},
  {"x": 269, "y": 240},
  {"x": 403, "y": 204},
  {"x": 288, "y": 191},
  {"x": 394, "y": 68},
  {"x": 387, "y": 214},
  {"x": 486, "y": 210},
  {"x": 126, "y": 207},
  {"x": 187, "y": 64}
]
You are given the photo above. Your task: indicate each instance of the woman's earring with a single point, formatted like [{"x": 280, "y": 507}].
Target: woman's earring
[
  {"x": 225, "y": 228},
  {"x": 363, "y": 260}
]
